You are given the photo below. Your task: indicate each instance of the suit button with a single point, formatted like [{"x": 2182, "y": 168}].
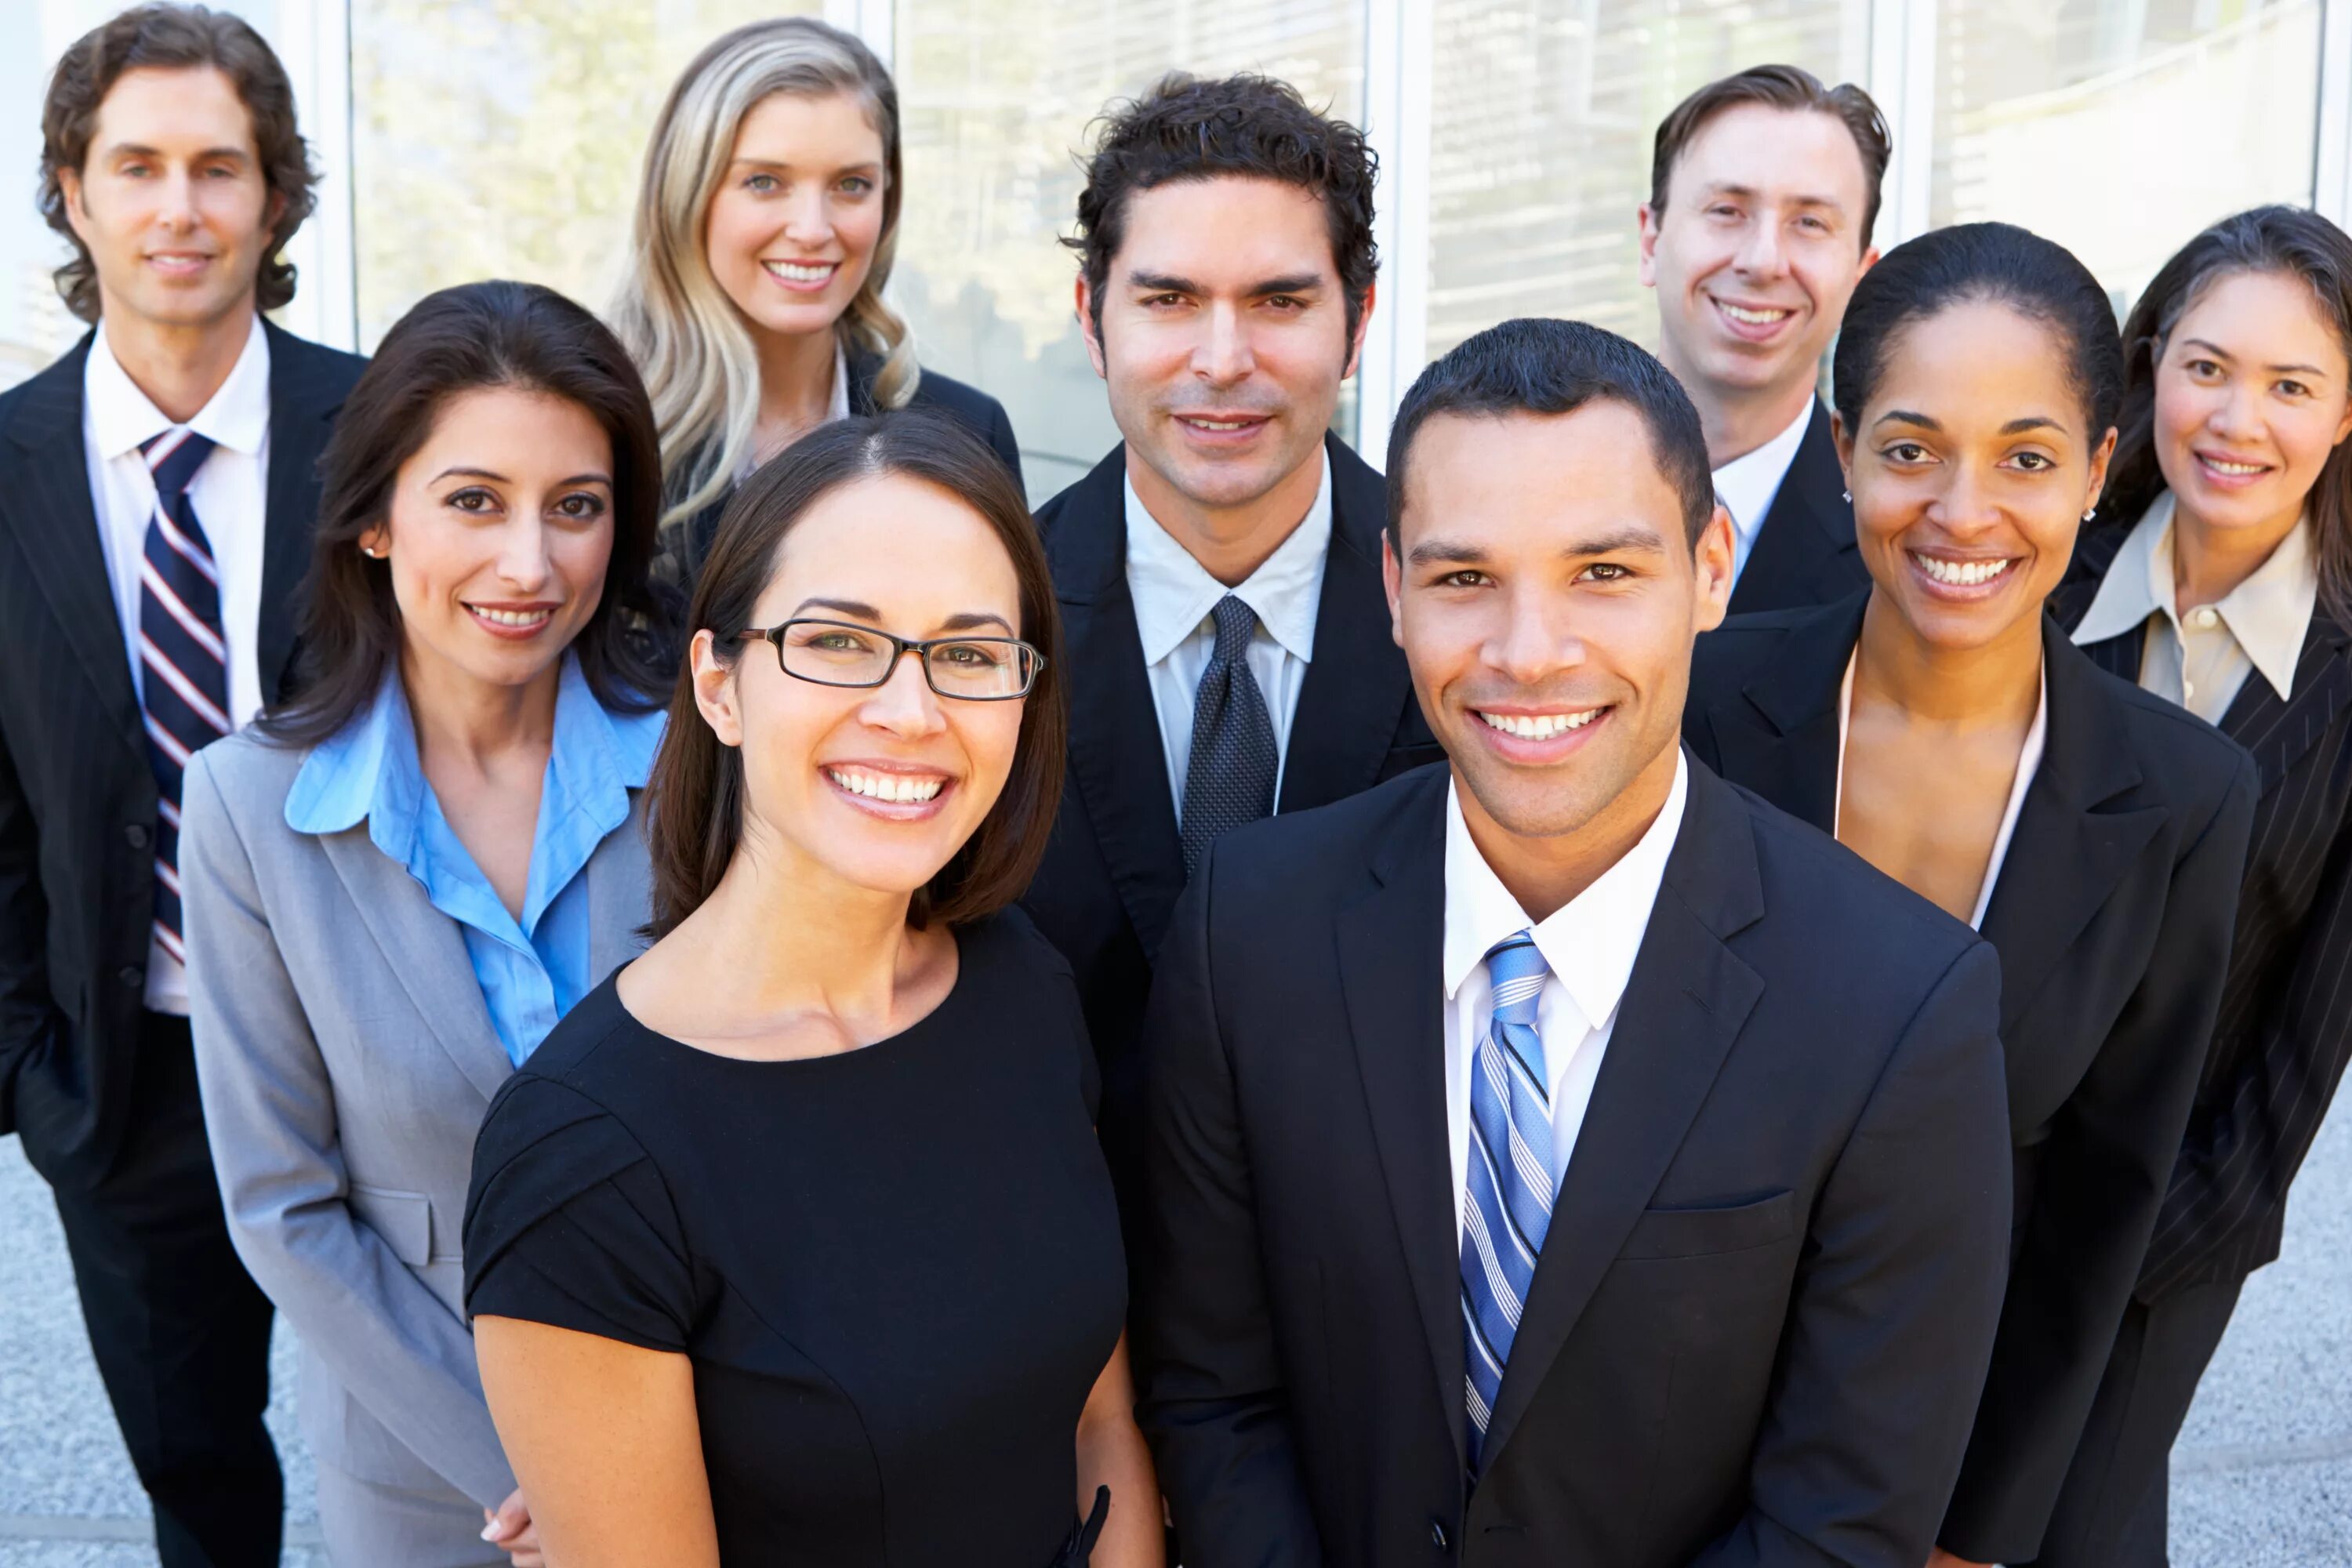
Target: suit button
[
  {"x": 131, "y": 976},
  {"x": 136, "y": 835},
  {"x": 1437, "y": 1533}
]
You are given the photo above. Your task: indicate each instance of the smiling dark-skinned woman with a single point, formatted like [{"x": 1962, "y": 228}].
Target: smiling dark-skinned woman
[
  {"x": 1941, "y": 727},
  {"x": 795, "y": 1243}
]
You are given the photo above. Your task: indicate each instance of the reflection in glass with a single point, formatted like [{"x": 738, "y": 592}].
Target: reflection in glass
[
  {"x": 1543, "y": 114},
  {"x": 2119, "y": 127},
  {"x": 997, "y": 96},
  {"x": 504, "y": 138}
]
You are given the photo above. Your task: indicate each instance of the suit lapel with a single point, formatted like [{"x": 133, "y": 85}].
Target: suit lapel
[
  {"x": 426, "y": 950},
  {"x": 1687, "y": 1000},
  {"x": 620, "y": 894},
  {"x": 1391, "y": 944},
  {"x": 1779, "y": 736},
  {"x": 2279, "y": 733},
  {"x": 2068, "y": 850},
  {"x": 45, "y": 497},
  {"x": 304, "y": 394},
  {"x": 1117, "y": 766},
  {"x": 1357, "y": 683},
  {"x": 1804, "y": 548}
]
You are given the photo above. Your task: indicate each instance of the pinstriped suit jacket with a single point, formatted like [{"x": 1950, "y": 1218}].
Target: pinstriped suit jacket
[
  {"x": 78, "y": 803},
  {"x": 2285, "y": 1030}
]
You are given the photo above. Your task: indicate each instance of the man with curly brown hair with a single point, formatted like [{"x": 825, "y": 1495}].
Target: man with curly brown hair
[{"x": 157, "y": 493}]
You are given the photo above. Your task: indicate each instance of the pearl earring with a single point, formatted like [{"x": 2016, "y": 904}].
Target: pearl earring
[
  {"x": 1848, "y": 495},
  {"x": 2090, "y": 514},
  {"x": 370, "y": 553}
]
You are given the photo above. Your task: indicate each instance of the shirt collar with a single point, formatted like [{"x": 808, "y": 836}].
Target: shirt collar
[
  {"x": 2269, "y": 613},
  {"x": 1591, "y": 941},
  {"x": 369, "y": 769},
  {"x": 122, "y": 417},
  {"x": 1747, "y": 484},
  {"x": 1173, "y": 593}
]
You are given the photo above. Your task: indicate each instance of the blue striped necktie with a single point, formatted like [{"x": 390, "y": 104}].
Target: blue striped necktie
[
  {"x": 182, "y": 654},
  {"x": 1507, "y": 1205}
]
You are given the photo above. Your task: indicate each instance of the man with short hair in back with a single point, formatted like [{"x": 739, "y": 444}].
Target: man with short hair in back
[
  {"x": 157, "y": 495},
  {"x": 1562, "y": 1157},
  {"x": 1219, "y": 571},
  {"x": 1764, "y": 194}
]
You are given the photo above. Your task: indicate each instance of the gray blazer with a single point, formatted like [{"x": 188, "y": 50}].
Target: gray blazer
[{"x": 346, "y": 1057}]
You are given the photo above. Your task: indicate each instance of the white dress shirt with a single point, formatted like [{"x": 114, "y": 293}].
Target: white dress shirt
[
  {"x": 1173, "y": 594},
  {"x": 1588, "y": 944},
  {"x": 1746, "y": 487},
  {"x": 2028, "y": 762},
  {"x": 2200, "y": 660},
  {"x": 229, "y": 493}
]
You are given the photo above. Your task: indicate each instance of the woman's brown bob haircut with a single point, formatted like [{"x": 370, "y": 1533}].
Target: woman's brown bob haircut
[
  {"x": 695, "y": 816},
  {"x": 174, "y": 38},
  {"x": 471, "y": 337}
]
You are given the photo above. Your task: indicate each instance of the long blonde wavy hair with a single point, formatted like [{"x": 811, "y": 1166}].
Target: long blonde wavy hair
[{"x": 690, "y": 343}]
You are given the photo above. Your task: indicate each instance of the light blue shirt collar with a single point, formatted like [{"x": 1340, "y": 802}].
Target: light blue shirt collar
[{"x": 370, "y": 770}]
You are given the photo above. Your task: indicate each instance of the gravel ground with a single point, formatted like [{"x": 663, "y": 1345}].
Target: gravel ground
[{"x": 2261, "y": 1479}]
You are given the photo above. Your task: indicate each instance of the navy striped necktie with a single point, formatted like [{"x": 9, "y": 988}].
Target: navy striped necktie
[{"x": 182, "y": 654}]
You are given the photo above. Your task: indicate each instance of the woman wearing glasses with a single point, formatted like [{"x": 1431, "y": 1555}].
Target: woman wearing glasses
[{"x": 793, "y": 1240}]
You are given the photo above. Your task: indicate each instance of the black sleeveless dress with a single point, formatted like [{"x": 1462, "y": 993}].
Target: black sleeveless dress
[{"x": 897, "y": 1271}]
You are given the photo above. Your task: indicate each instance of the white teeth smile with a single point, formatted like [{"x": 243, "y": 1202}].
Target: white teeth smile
[
  {"x": 902, "y": 788},
  {"x": 512, "y": 618},
  {"x": 2235, "y": 470},
  {"x": 1753, "y": 317},
  {"x": 798, "y": 272},
  {"x": 1962, "y": 574},
  {"x": 1221, "y": 424},
  {"x": 1540, "y": 726}
]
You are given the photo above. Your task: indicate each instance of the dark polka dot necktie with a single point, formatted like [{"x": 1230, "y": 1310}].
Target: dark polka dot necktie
[{"x": 1229, "y": 780}]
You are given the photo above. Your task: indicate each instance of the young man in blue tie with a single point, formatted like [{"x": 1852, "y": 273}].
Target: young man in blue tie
[
  {"x": 1561, "y": 1156},
  {"x": 157, "y": 493}
]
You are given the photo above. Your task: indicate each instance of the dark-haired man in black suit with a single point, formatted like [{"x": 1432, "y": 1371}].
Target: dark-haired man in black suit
[
  {"x": 157, "y": 495},
  {"x": 1219, "y": 571},
  {"x": 1562, "y": 1156},
  {"x": 1764, "y": 191}
]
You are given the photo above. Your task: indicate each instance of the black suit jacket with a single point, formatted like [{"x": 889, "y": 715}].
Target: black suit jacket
[
  {"x": 1113, "y": 868},
  {"x": 1762, "y": 1312},
  {"x": 2286, "y": 1030},
  {"x": 982, "y": 413},
  {"x": 78, "y": 800},
  {"x": 1804, "y": 552},
  {"x": 2112, "y": 917}
]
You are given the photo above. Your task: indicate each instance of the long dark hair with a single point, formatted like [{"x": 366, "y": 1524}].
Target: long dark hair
[
  {"x": 2287, "y": 242},
  {"x": 474, "y": 335},
  {"x": 694, "y": 818}
]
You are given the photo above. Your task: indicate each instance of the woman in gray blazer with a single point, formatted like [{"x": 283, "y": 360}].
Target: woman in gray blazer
[{"x": 396, "y": 883}]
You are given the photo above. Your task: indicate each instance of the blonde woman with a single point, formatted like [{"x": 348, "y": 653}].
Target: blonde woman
[{"x": 766, "y": 225}]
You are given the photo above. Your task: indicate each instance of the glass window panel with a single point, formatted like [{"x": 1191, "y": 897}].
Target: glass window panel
[
  {"x": 1541, "y": 135},
  {"x": 2119, "y": 127},
  {"x": 35, "y": 325},
  {"x": 997, "y": 96},
  {"x": 504, "y": 138}
]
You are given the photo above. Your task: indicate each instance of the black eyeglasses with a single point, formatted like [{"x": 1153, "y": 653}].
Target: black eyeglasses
[{"x": 841, "y": 653}]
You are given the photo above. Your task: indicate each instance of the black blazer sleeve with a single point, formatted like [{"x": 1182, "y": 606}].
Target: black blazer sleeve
[
  {"x": 1895, "y": 1305},
  {"x": 2103, "y": 1175},
  {"x": 1210, "y": 1377},
  {"x": 28, "y": 1015},
  {"x": 2253, "y": 1126}
]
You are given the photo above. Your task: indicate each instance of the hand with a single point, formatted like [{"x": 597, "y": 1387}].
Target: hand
[
  {"x": 509, "y": 1528},
  {"x": 1940, "y": 1558}
]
